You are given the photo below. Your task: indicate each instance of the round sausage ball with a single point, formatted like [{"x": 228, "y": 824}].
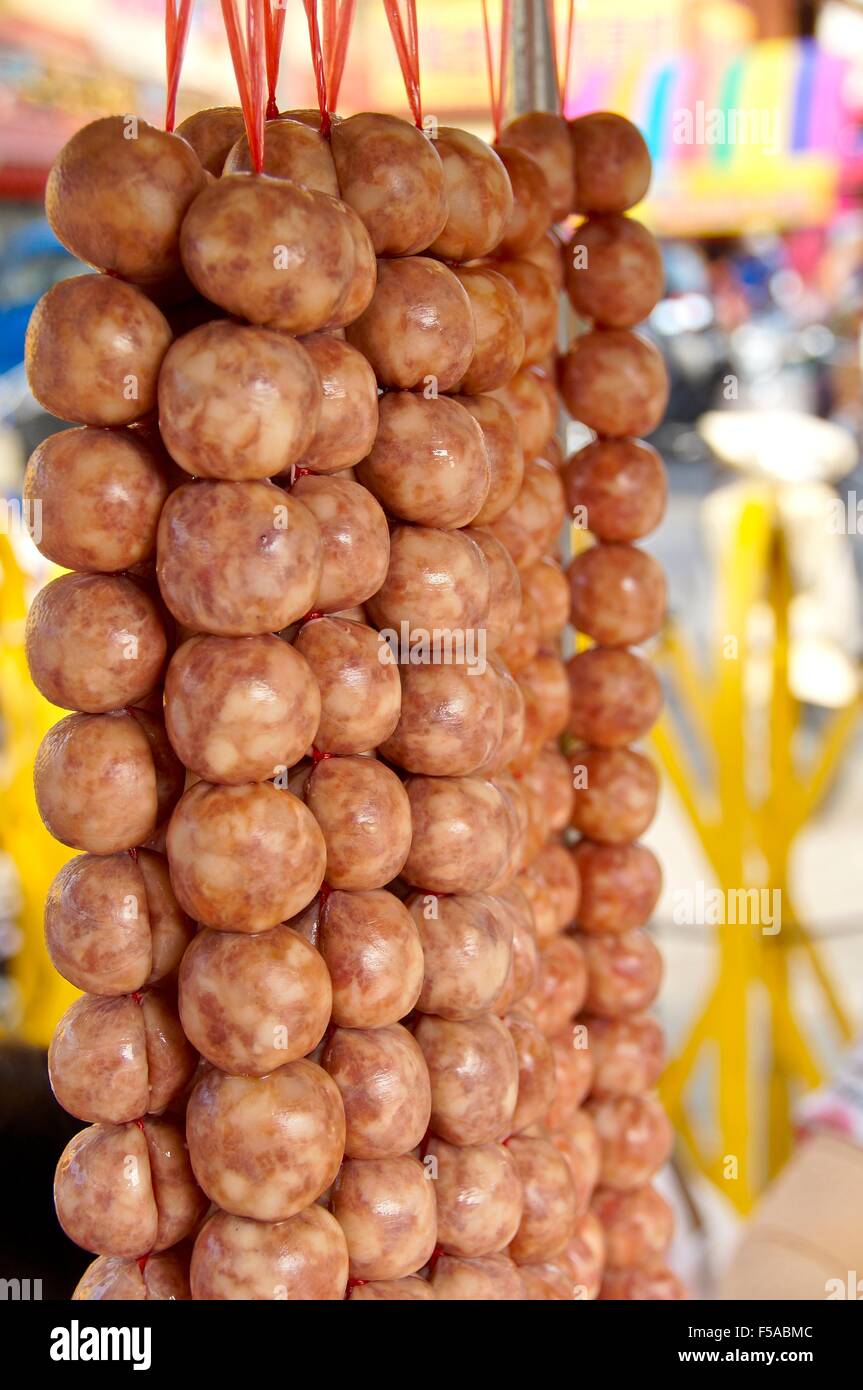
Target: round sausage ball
[
  {"x": 93, "y": 498},
  {"x": 490, "y": 1278},
  {"x": 547, "y": 586},
  {"x": 549, "y": 1214},
  {"x": 358, "y": 680},
  {"x": 531, "y": 214},
  {"x": 473, "y": 1068},
  {"x": 355, "y": 540},
  {"x": 348, "y": 419},
  {"x": 266, "y": 1147},
  {"x": 615, "y": 794},
  {"x": 409, "y": 1289},
  {"x": 237, "y": 401},
  {"x": 618, "y": 594},
  {"x": 479, "y": 1197},
  {"x": 614, "y": 271},
  {"x": 532, "y": 523},
  {"x": 373, "y": 951},
  {"x": 505, "y": 587},
  {"x": 393, "y": 177},
  {"x": 105, "y": 782},
  {"x": 365, "y": 817},
  {"x": 152, "y": 1278},
  {"x": 112, "y": 923},
  {"x": 585, "y": 1256},
  {"x": 579, "y": 1144},
  {"x": 620, "y": 886},
  {"x": 615, "y": 696},
  {"x": 436, "y": 580},
  {"x": 418, "y": 330},
  {"x": 615, "y": 382},
  {"x": 503, "y": 451},
  {"x": 428, "y": 463},
  {"x": 451, "y": 720},
  {"x": 536, "y": 1076},
  {"x": 117, "y": 194},
  {"x": 292, "y": 150},
  {"x": 479, "y": 196},
  {"x": 499, "y": 319},
  {"x": 612, "y": 163},
  {"x": 628, "y": 1054},
  {"x": 466, "y": 942},
  {"x": 212, "y": 132},
  {"x": 618, "y": 486},
  {"x": 635, "y": 1137},
  {"x": 269, "y": 251},
  {"x": 545, "y": 136},
  {"x": 562, "y": 986},
  {"x": 653, "y": 1283},
  {"x": 461, "y": 834},
  {"x": 384, "y": 1084},
  {"x": 301, "y": 1259},
  {"x": 245, "y": 858},
  {"x": 237, "y": 559},
  {"x": 251, "y": 1003},
  {"x": 624, "y": 973},
  {"x": 638, "y": 1225},
  {"x": 240, "y": 709},
  {"x": 113, "y": 1060},
  {"x": 93, "y": 351},
  {"x": 386, "y": 1208},
  {"x": 531, "y": 400},
  {"x": 550, "y": 777},
  {"x": 95, "y": 642},
  {"x": 573, "y": 1075},
  {"x": 127, "y": 1190},
  {"x": 539, "y": 304}
]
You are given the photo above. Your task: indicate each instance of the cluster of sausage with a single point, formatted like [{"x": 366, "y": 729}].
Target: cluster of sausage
[{"x": 330, "y": 1041}]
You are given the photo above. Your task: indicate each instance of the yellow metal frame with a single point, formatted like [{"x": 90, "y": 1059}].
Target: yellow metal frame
[
  {"x": 740, "y": 830},
  {"x": 42, "y": 994}
]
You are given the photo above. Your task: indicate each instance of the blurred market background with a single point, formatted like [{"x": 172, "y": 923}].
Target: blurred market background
[{"x": 754, "y": 116}]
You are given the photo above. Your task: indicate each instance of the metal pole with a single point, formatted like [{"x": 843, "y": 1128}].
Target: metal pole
[{"x": 533, "y": 84}]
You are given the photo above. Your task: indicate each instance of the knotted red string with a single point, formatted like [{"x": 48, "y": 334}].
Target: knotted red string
[
  {"x": 497, "y": 89},
  {"x": 274, "y": 29},
  {"x": 247, "y": 56},
  {"x": 311, "y": 7},
  {"x": 338, "y": 21},
  {"x": 407, "y": 49},
  {"x": 176, "y": 35}
]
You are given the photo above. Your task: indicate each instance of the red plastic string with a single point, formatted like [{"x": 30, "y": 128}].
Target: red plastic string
[
  {"x": 176, "y": 36},
  {"x": 274, "y": 30},
  {"x": 319, "y": 756},
  {"x": 142, "y": 1262},
  {"x": 338, "y": 22},
  {"x": 247, "y": 57},
  {"x": 137, "y": 996},
  {"x": 497, "y": 91},
  {"x": 407, "y": 49},
  {"x": 311, "y": 7},
  {"x": 561, "y": 75}
]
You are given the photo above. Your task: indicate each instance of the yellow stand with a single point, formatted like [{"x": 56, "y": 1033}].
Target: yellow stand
[
  {"x": 746, "y": 831},
  {"x": 42, "y": 994}
]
